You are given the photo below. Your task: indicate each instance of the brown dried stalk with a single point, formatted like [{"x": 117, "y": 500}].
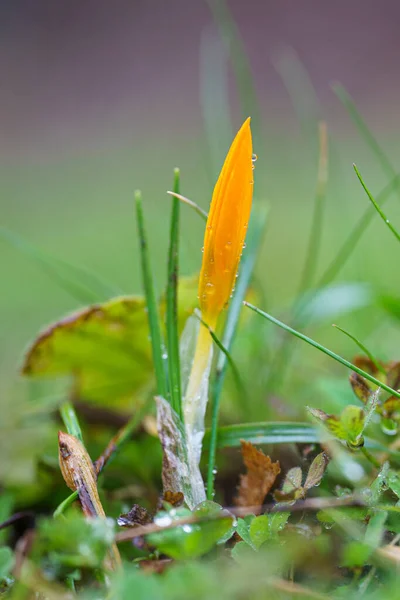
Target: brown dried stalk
[{"x": 80, "y": 475}]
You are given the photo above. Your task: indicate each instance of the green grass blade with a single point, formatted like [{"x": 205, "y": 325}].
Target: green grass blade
[
  {"x": 264, "y": 433},
  {"x": 152, "y": 307},
  {"x": 240, "y": 65},
  {"x": 62, "y": 507},
  {"x": 280, "y": 432},
  {"x": 300, "y": 89},
  {"x": 365, "y": 132},
  {"x": 81, "y": 284},
  {"x": 314, "y": 243},
  {"x": 172, "y": 304},
  {"x": 70, "y": 420},
  {"x": 256, "y": 229},
  {"x": 192, "y": 204},
  {"x": 214, "y": 97},
  {"x": 326, "y": 351},
  {"x": 376, "y": 206},
  {"x": 362, "y": 348},
  {"x": 282, "y": 357},
  {"x": 355, "y": 235}
]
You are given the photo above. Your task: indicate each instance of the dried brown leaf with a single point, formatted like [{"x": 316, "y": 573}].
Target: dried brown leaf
[
  {"x": 366, "y": 364},
  {"x": 173, "y": 498},
  {"x": 138, "y": 515},
  {"x": 393, "y": 374},
  {"x": 80, "y": 475},
  {"x": 260, "y": 476},
  {"x": 360, "y": 387}
]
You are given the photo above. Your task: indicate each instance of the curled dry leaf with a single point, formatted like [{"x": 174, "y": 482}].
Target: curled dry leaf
[
  {"x": 260, "y": 476},
  {"x": 80, "y": 475},
  {"x": 360, "y": 387}
]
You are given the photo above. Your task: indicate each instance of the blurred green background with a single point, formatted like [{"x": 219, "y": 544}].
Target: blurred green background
[{"x": 99, "y": 99}]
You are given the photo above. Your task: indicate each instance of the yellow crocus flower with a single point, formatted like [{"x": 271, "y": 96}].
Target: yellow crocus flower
[
  {"x": 226, "y": 227},
  {"x": 223, "y": 245}
]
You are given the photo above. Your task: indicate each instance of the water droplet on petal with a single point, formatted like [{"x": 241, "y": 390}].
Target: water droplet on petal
[
  {"x": 254, "y": 157},
  {"x": 202, "y": 249},
  {"x": 210, "y": 289}
]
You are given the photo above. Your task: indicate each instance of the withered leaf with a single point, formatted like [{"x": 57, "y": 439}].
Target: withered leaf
[
  {"x": 173, "y": 498},
  {"x": 390, "y": 407},
  {"x": 366, "y": 364},
  {"x": 138, "y": 515},
  {"x": 80, "y": 475},
  {"x": 360, "y": 387},
  {"x": 104, "y": 347},
  {"x": 316, "y": 470},
  {"x": 393, "y": 374},
  {"x": 260, "y": 476}
]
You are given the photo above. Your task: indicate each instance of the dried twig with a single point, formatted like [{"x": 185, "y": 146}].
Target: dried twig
[{"x": 309, "y": 504}]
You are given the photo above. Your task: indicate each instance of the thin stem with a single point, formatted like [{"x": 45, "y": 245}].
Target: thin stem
[
  {"x": 371, "y": 458},
  {"x": 376, "y": 206},
  {"x": 122, "y": 436},
  {"x": 326, "y": 351},
  {"x": 370, "y": 139},
  {"x": 193, "y": 205},
  {"x": 172, "y": 305},
  {"x": 355, "y": 235},
  {"x": 362, "y": 348},
  {"x": 313, "y": 504},
  {"x": 310, "y": 264},
  {"x": 283, "y": 355},
  {"x": 152, "y": 308},
  {"x": 241, "y": 68}
]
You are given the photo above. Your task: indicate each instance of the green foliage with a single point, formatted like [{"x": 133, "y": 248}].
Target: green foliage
[
  {"x": 98, "y": 346},
  {"x": 6, "y": 562},
  {"x": 72, "y": 542},
  {"x": 256, "y": 531},
  {"x": 191, "y": 539}
]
